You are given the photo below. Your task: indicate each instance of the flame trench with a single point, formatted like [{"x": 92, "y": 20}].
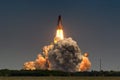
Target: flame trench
[{"x": 64, "y": 54}]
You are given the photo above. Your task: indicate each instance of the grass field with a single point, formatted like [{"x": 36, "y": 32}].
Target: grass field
[{"x": 59, "y": 78}]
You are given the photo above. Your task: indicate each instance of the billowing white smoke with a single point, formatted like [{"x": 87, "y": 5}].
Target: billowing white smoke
[{"x": 65, "y": 55}]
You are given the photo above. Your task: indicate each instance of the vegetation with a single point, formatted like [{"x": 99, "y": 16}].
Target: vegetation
[
  {"x": 59, "y": 78},
  {"x": 6, "y": 72}
]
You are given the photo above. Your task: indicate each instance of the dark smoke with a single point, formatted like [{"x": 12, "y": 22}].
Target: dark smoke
[{"x": 65, "y": 56}]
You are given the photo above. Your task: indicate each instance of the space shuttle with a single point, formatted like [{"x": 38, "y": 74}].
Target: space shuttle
[
  {"x": 59, "y": 32},
  {"x": 59, "y": 24}
]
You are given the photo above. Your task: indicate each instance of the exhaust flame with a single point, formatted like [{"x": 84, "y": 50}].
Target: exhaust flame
[
  {"x": 64, "y": 54},
  {"x": 59, "y": 33}
]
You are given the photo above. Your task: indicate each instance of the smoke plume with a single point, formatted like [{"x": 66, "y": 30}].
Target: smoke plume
[
  {"x": 85, "y": 64},
  {"x": 65, "y": 55}
]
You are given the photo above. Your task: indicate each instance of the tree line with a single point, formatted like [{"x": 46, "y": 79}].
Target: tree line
[{"x": 6, "y": 72}]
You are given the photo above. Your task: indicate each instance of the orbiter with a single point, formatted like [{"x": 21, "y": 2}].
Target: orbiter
[{"x": 59, "y": 33}]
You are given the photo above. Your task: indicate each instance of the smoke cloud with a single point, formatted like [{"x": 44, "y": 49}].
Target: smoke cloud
[
  {"x": 85, "y": 64},
  {"x": 65, "y": 55}
]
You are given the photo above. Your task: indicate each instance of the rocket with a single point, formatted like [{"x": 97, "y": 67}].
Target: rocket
[
  {"x": 59, "y": 33},
  {"x": 59, "y": 24}
]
